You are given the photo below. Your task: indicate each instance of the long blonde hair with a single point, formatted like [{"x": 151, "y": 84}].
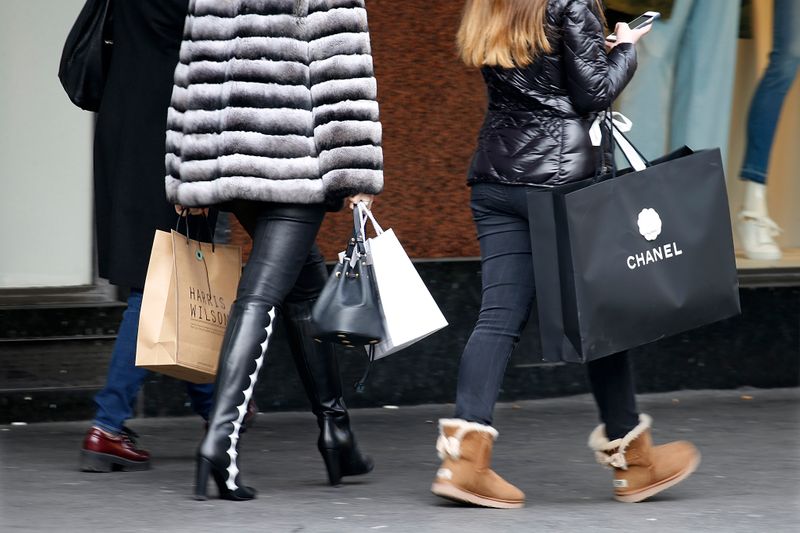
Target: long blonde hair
[{"x": 504, "y": 33}]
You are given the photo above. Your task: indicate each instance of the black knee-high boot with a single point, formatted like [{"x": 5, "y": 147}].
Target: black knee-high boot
[
  {"x": 243, "y": 350},
  {"x": 319, "y": 371}
]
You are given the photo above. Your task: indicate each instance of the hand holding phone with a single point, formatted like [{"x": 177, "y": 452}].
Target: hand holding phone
[{"x": 638, "y": 23}]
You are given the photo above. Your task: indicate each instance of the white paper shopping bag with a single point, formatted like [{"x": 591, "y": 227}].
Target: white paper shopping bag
[{"x": 409, "y": 311}]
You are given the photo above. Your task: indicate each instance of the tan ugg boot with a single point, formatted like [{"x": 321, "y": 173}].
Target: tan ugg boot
[
  {"x": 642, "y": 470},
  {"x": 466, "y": 452}
]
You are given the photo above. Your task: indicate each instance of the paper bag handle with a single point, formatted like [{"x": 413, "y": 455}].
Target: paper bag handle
[{"x": 184, "y": 215}]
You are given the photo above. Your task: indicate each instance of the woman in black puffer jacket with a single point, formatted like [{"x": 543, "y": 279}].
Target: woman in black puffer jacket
[
  {"x": 536, "y": 126},
  {"x": 548, "y": 71}
]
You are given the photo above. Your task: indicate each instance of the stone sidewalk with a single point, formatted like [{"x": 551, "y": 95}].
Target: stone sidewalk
[{"x": 749, "y": 480}]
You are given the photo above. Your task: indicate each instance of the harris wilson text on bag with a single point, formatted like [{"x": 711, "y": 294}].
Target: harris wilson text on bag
[
  {"x": 186, "y": 303},
  {"x": 207, "y": 309}
]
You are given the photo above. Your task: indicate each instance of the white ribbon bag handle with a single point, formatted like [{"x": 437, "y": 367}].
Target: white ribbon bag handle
[
  {"x": 366, "y": 215},
  {"x": 619, "y": 124}
]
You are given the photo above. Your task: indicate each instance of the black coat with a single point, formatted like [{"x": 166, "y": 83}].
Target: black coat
[
  {"x": 129, "y": 169},
  {"x": 536, "y": 130}
]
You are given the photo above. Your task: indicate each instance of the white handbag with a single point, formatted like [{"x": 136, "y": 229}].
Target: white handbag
[{"x": 409, "y": 311}]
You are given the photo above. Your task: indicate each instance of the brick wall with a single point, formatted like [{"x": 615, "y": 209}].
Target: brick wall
[{"x": 431, "y": 109}]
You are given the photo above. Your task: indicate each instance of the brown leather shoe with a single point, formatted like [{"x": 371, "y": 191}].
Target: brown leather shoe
[{"x": 104, "y": 452}]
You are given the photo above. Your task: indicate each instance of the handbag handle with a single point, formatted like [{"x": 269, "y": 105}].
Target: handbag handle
[{"x": 356, "y": 247}]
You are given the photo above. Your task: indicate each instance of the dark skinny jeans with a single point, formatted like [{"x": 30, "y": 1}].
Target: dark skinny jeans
[{"x": 501, "y": 216}]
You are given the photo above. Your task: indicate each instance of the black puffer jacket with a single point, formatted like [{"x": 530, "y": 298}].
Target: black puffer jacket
[{"x": 537, "y": 124}]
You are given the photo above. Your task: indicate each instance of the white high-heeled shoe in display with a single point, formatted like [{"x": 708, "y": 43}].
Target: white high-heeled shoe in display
[{"x": 756, "y": 230}]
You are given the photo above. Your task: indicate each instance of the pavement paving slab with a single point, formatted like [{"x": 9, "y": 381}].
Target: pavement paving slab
[{"x": 749, "y": 480}]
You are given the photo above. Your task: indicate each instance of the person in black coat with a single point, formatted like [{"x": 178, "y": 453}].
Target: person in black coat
[
  {"x": 549, "y": 72},
  {"x": 130, "y": 205}
]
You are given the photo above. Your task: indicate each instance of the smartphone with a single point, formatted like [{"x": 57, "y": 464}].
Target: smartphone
[{"x": 638, "y": 22}]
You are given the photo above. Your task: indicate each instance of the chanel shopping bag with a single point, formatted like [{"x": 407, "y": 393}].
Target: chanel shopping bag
[
  {"x": 188, "y": 293},
  {"x": 409, "y": 311},
  {"x": 625, "y": 261}
]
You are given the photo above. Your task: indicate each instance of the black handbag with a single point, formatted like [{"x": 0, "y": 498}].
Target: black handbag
[
  {"x": 87, "y": 54},
  {"x": 348, "y": 309}
]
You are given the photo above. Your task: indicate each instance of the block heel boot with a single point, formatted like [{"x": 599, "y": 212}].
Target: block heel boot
[
  {"x": 319, "y": 371},
  {"x": 243, "y": 350}
]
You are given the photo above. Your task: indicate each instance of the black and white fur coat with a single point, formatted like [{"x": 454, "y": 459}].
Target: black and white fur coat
[{"x": 274, "y": 100}]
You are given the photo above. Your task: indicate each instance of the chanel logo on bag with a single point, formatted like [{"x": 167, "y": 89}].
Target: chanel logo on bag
[
  {"x": 650, "y": 227},
  {"x": 649, "y": 224}
]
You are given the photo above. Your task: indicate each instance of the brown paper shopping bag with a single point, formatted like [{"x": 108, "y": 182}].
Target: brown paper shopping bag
[{"x": 188, "y": 293}]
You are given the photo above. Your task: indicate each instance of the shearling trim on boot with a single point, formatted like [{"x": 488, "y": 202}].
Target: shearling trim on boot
[
  {"x": 603, "y": 448},
  {"x": 451, "y": 446}
]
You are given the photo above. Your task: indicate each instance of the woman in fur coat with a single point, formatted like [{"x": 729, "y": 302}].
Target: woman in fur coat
[{"x": 274, "y": 117}]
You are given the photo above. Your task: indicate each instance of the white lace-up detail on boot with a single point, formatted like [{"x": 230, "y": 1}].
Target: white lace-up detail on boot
[{"x": 233, "y": 470}]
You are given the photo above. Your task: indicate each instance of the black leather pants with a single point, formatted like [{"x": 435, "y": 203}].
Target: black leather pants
[
  {"x": 283, "y": 240},
  {"x": 285, "y": 263}
]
